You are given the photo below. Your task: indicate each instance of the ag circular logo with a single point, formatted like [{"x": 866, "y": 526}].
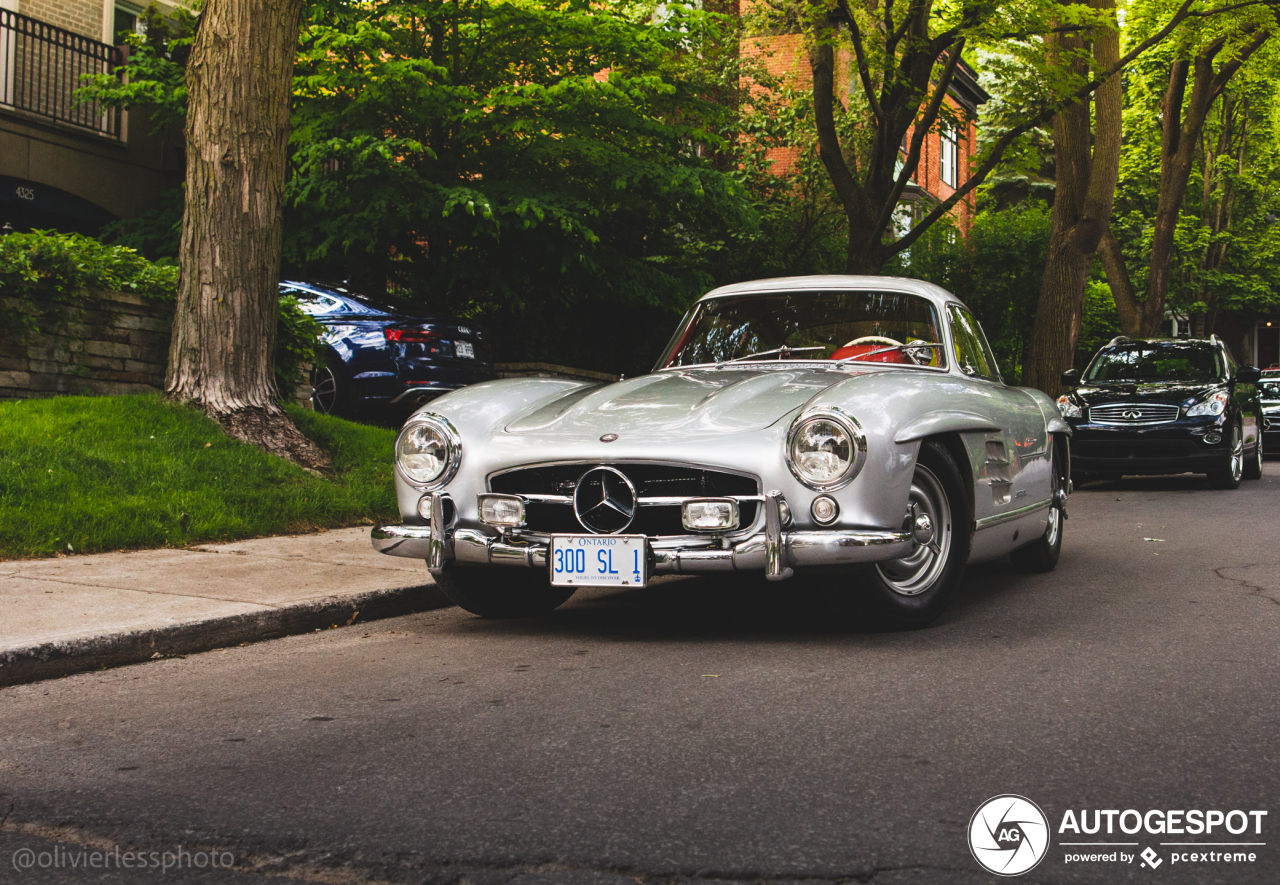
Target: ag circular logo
[{"x": 1008, "y": 835}]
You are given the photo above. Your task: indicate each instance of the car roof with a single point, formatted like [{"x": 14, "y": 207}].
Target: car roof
[{"x": 829, "y": 282}]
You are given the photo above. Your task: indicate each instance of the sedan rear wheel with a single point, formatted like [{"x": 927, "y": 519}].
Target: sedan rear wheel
[
  {"x": 908, "y": 593},
  {"x": 329, "y": 393}
]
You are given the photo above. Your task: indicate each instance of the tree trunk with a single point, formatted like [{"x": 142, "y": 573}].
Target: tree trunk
[
  {"x": 1180, "y": 137},
  {"x": 239, "y": 82},
  {"x": 1087, "y": 166}
]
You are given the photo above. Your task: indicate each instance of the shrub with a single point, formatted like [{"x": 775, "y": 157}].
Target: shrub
[{"x": 47, "y": 278}]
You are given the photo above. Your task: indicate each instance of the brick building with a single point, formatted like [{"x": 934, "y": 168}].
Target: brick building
[
  {"x": 947, "y": 153},
  {"x": 65, "y": 165}
]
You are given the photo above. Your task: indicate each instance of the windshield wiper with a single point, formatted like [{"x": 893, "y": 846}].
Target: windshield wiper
[
  {"x": 904, "y": 347},
  {"x": 784, "y": 351}
]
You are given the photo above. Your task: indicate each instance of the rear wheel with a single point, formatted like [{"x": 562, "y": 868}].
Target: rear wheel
[
  {"x": 330, "y": 390},
  {"x": 1228, "y": 475},
  {"x": 501, "y": 592},
  {"x": 1041, "y": 555},
  {"x": 1253, "y": 467},
  {"x": 908, "y": 593}
]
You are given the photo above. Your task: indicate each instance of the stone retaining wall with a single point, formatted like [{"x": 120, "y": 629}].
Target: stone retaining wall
[{"x": 118, "y": 344}]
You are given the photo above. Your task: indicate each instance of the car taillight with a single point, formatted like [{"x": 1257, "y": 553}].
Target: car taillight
[{"x": 409, "y": 335}]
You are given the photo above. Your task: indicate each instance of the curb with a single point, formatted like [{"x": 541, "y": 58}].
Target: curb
[{"x": 54, "y": 659}]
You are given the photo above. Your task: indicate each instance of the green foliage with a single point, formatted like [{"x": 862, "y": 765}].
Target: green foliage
[
  {"x": 297, "y": 345},
  {"x": 518, "y": 157},
  {"x": 155, "y": 73},
  {"x": 164, "y": 475},
  {"x": 43, "y": 273},
  {"x": 45, "y": 277}
]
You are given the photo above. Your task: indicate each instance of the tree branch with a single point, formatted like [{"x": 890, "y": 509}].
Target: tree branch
[{"x": 864, "y": 72}]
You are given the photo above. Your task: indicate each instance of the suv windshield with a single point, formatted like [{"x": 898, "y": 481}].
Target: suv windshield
[
  {"x": 871, "y": 326},
  {"x": 1145, "y": 362}
]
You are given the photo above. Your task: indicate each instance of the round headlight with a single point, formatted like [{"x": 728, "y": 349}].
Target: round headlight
[
  {"x": 427, "y": 452},
  {"x": 826, "y": 450}
]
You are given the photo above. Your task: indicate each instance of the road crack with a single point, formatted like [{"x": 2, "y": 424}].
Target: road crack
[{"x": 1254, "y": 589}]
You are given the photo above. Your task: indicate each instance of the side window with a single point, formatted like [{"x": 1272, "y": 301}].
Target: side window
[
  {"x": 972, "y": 351},
  {"x": 313, "y": 303}
]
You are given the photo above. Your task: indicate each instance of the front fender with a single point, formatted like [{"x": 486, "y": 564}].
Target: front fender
[{"x": 943, "y": 421}]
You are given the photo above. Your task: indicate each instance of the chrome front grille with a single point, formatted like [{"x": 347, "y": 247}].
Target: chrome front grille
[
  {"x": 1133, "y": 414},
  {"x": 660, "y": 490}
]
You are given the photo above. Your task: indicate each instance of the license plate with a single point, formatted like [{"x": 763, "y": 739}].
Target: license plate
[
  {"x": 464, "y": 349},
  {"x": 599, "y": 560}
]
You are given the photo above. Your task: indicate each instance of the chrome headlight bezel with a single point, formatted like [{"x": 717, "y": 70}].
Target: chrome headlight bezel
[
  {"x": 1069, "y": 408},
  {"x": 1211, "y": 406},
  {"x": 847, "y": 425},
  {"x": 453, "y": 450}
]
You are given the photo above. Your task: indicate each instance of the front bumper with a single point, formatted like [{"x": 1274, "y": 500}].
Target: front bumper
[
  {"x": 774, "y": 552},
  {"x": 1176, "y": 447}
]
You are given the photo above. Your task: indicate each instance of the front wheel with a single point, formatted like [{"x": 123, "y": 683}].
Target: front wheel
[
  {"x": 1229, "y": 474},
  {"x": 1041, "y": 555},
  {"x": 908, "y": 593},
  {"x": 1253, "y": 467},
  {"x": 501, "y": 592}
]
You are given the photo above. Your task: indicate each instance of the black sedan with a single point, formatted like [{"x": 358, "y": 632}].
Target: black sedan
[
  {"x": 1165, "y": 406},
  {"x": 380, "y": 359}
]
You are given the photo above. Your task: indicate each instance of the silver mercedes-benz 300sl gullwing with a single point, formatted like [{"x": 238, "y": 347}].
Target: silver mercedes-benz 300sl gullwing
[{"x": 853, "y": 429}]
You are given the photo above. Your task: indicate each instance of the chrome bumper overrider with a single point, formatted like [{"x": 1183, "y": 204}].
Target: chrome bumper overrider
[{"x": 774, "y": 551}]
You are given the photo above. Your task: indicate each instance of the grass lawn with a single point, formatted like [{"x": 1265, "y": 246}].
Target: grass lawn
[{"x": 87, "y": 474}]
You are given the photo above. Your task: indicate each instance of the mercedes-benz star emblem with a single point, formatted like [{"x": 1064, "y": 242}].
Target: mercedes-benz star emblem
[
  {"x": 609, "y": 437},
  {"x": 604, "y": 501}
]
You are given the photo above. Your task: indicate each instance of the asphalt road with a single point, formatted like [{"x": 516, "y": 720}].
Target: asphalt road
[{"x": 695, "y": 730}]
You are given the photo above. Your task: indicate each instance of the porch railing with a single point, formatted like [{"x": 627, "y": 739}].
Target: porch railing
[{"x": 40, "y": 70}]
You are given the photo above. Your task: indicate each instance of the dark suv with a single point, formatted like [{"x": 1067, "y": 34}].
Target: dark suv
[
  {"x": 1269, "y": 390},
  {"x": 1164, "y": 406}
]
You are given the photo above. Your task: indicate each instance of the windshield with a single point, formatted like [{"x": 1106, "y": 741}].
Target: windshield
[
  {"x": 871, "y": 326},
  {"x": 1269, "y": 388},
  {"x": 1146, "y": 362}
]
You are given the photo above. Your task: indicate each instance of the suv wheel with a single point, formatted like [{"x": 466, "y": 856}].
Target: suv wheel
[
  {"x": 1253, "y": 467},
  {"x": 1229, "y": 474}
]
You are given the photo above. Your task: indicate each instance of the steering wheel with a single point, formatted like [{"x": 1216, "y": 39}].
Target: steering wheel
[{"x": 873, "y": 339}]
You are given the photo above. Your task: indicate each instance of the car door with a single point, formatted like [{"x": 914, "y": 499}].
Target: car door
[{"x": 1013, "y": 468}]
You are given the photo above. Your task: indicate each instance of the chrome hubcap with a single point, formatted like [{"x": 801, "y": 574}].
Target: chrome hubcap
[
  {"x": 1055, "y": 511},
  {"x": 928, "y": 506},
  {"x": 324, "y": 389},
  {"x": 1237, "y": 454}
]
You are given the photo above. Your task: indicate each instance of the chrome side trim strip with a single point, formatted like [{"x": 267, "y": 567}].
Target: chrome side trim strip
[{"x": 988, "y": 521}]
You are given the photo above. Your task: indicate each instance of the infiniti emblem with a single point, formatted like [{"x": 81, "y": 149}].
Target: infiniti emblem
[
  {"x": 609, "y": 437},
  {"x": 604, "y": 501},
  {"x": 1132, "y": 415}
]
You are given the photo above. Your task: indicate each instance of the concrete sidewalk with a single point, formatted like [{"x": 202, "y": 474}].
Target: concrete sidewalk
[{"x": 76, "y": 613}]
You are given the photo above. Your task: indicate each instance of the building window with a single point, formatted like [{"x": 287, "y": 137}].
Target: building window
[
  {"x": 127, "y": 21},
  {"x": 948, "y": 154}
]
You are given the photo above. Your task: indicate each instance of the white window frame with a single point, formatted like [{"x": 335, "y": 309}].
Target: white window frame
[{"x": 948, "y": 154}]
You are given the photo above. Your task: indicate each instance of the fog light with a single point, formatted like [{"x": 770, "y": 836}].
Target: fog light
[
  {"x": 710, "y": 515},
  {"x": 1213, "y": 437},
  {"x": 424, "y": 507},
  {"x": 824, "y": 509},
  {"x": 784, "y": 512},
  {"x": 506, "y": 511}
]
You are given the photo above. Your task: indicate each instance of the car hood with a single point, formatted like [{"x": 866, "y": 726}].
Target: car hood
[
  {"x": 1161, "y": 392},
  {"x": 729, "y": 400}
]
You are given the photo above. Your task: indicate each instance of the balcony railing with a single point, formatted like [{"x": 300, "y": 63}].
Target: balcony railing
[{"x": 40, "y": 71}]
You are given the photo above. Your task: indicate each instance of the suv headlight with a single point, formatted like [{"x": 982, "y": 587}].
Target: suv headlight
[
  {"x": 826, "y": 449},
  {"x": 1068, "y": 408},
  {"x": 1216, "y": 404},
  {"x": 428, "y": 451}
]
